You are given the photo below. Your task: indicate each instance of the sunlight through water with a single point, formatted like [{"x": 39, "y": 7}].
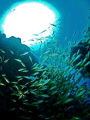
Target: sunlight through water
[{"x": 33, "y": 22}]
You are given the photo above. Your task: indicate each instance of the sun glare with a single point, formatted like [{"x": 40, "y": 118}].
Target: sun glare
[{"x": 33, "y": 22}]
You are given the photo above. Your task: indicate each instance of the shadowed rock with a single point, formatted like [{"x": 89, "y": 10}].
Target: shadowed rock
[
  {"x": 12, "y": 50},
  {"x": 84, "y": 47}
]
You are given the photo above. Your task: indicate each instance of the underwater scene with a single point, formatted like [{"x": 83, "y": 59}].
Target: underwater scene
[{"x": 45, "y": 74}]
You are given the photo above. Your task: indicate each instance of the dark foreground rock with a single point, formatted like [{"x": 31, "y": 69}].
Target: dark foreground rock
[{"x": 15, "y": 56}]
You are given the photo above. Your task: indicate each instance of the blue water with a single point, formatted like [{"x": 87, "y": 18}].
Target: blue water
[{"x": 75, "y": 18}]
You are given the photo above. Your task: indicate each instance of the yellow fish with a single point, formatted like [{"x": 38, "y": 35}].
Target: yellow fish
[
  {"x": 53, "y": 55},
  {"x": 24, "y": 53}
]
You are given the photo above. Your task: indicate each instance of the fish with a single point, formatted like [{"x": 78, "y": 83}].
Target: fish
[
  {"x": 18, "y": 60},
  {"x": 36, "y": 103},
  {"x": 76, "y": 118},
  {"x": 79, "y": 89},
  {"x": 31, "y": 40},
  {"x": 24, "y": 100},
  {"x": 88, "y": 54},
  {"x": 46, "y": 81},
  {"x": 2, "y": 51},
  {"x": 22, "y": 86},
  {"x": 11, "y": 109},
  {"x": 0, "y": 59},
  {"x": 43, "y": 95},
  {"x": 33, "y": 78},
  {"x": 24, "y": 53},
  {"x": 44, "y": 73},
  {"x": 3, "y": 75},
  {"x": 47, "y": 52},
  {"x": 42, "y": 31},
  {"x": 18, "y": 76},
  {"x": 53, "y": 25},
  {"x": 74, "y": 34},
  {"x": 23, "y": 64},
  {"x": 22, "y": 109},
  {"x": 68, "y": 100},
  {"x": 16, "y": 86},
  {"x": 45, "y": 59},
  {"x": 80, "y": 94},
  {"x": 88, "y": 91},
  {"x": 24, "y": 71},
  {"x": 88, "y": 63},
  {"x": 84, "y": 31},
  {"x": 54, "y": 92},
  {"x": 40, "y": 68},
  {"x": 84, "y": 61},
  {"x": 5, "y": 61},
  {"x": 21, "y": 69},
  {"x": 2, "y": 84},
  {"x": 26, "y": 92},
  {"x": 20, "y": 96},
  {"x": 27, "y": 77},
  {"x": 54, "y": 87},
  {"x": 30, "y": 59},
  {"x": 35, "y": 34},
  {"x": 13, "y": 100},
  {"x": 20, "y": 79},
  {"x": 6, "y": 79},
  {"x": 11, "y": 52},
  {"x": 79, "y": 64},
  {"x": 33, "y": 92},
  {"x": 43, "y": 88},
  {"x": 78, "y": 57},
  {"x": 53, "y": 55},
  {"x": 36, "y": 73},
  {"x": 65, "y": 38},
  {"x": 78, "y": 52},
  {"x": 14, "y": 82}
]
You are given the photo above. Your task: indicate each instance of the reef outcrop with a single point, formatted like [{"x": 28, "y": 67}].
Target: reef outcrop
[
  {"x": 16, "y": 58},
  {"x": 84, "y": 49}
]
